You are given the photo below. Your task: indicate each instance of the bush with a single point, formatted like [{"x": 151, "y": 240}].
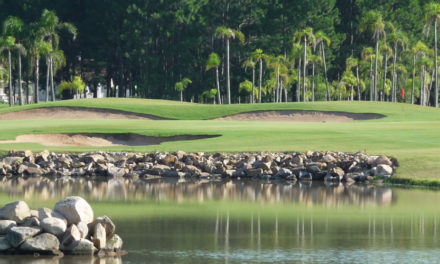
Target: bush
[{"x": 67, "y": 89}]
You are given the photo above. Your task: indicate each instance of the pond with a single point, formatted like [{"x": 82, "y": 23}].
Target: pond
[{"x": 178, "y": 221}]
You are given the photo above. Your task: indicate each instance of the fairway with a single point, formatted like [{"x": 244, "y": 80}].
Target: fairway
[{"x": 409, "y": 133}]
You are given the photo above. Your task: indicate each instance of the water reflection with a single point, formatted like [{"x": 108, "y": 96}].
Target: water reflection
[
  {"x": 310, "y": 193},
  {"x": 58, "y": 260}
]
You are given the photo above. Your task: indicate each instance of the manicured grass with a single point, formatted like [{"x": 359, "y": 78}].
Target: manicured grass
[{"x": 409, "y": 133}]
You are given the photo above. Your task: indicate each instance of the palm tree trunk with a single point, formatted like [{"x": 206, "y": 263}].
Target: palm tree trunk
[
  {"x": 298, "y": 90},
  {"x": 371, "y": 79},
  {"x": 351, "y": 93},
  {"x": 385, "y": 76},
  {"x": 375, "y": 70},
  {"x": 358, "y": 83},
  {"x": 413, "y": 77},
  {"x": 20, "y": 86},
  {"x": 51, "y": 80},
  {"x": 313, "y": 82},
  {"x": 422, "y": 86},
  {"x": 261, "y": 81},
  {"x": 436, "y": 64},
  {"x": 47, "y": 79},
  {"x": 37, "y": 79},
  {"x": 218, "y": 86},
  {"x": 325, "y": 72},
  {"x": 394, "y": 85},
  {"x": 11, "y": 100},
  {"x": 181, "y": 96},
  {"x": 228, "y": 76},
  {"x": 304, "y": 69},
  {"x": 253, "y": 86},
  {"x": 275, "y": 99}
]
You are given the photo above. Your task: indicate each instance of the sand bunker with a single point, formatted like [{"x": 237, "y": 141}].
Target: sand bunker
[
  {"x": 75, "y": 113},
  {"x": 97, "y": 140},
  {"x": 301, "y": 116}
]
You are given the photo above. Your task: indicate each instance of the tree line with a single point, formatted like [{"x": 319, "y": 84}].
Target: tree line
[{"x": 223, "y": 51}]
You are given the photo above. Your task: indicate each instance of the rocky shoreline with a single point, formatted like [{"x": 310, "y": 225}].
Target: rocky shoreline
[
  {"x": 69, "y": 229},
  {"x": 309, "y": 166}
]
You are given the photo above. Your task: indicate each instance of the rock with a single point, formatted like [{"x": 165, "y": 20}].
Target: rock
[
  {"x": 82, "y": 247},
  {"x": 53, "y": 225},
  {"x": 4, "y": 244},
  {"x": 83, "y": 229},
  {"x": 5, "y": 225},
  {"x": 96, "y": 158},
  {"x": 75, "y": 209},
  {"x": 46, "y": 212},
  {"x": 16, "y": 211},
  {"x": 106, "y": 222},
  {"x": 382, "y": 160},
  {"x": 254, "y": 172},
  {"x": 298, "y": 159},
  {"x": 71, "y": 236},
  {"x": 33, "y": 171},
  {"x": 383, "y": 170},
  {"x": 34, "y": 213},
  {"x": 337, "y": 172},
  {"x": 43, "y": 243},
  {"x": 99, "y": 236},
  {"x": 31, "y": 221},
  {"x": 13, "y": 161},
  {"x": 305, "y": 176},
  {"x": 329, "y": 158},
  {"x": 18, "y": 234},
  {"x": 283, "y": 173},
  {"x": 114, "y": 243},
  {"x": 193, "y": 170},
  {"x": 115, "y": 172}
]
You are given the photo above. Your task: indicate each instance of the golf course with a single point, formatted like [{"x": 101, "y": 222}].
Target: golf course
[{"x": 406, "y": 132}]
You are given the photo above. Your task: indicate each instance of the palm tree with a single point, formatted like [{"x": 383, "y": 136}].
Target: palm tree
[
  {"x": 50, "y": 25},
  {"x": 258, "y": 56},
  {"x": 8, "y": 43},
  {"x": 322, "y": 39},
  {"x": 387, "y": 53},
  {"x": 277, "y": 64},
  {"x": 246, "y": 87},
  {"x": 307, "y": 36},
  {"x": 367, "y": 55},
  {"x": 314, "y": 59},
  {"x": 182, "y": 85},
  {"x": 227, "y": 33},
  {"x": 296, "y": 54},
  {"x": 419, "y": 49},
  {"x": 351, "y": 63},
  {"x": 13, "y": 26},
  {"x": 214, "y": 62},
  {"x": 373, "y": 21},
  {"x": 397, "y": 38},
  {"x": 250, "y": 63},
  {"x": 58, "y": 61},
  {"x": 432, "y": 14}
]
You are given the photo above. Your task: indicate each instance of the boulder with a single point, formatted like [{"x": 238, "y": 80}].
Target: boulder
[
  {"x": 53, "y": 225},
  {"x": 16, "y": 211},
  {"x": 106, "y": 222},
  {"x": 47, "y": 213},
  {"x": 5, "y": 225},
  {"x": 383, "y": 170},
  {"x": 283, "y": 173},
  {"x": 75, "y": 209},
  {"x": 31, "y": 221},
  {"x": 43, "y": 243},
  {"x": 83, "y": 229},
  {"x": 82, "y": 247},
  {"x": 13, "y": 161},
  {"x": 18, "y": 234},
  {"x": 254, "y": 172},
  {"x": 114, "y": 243},
  {"x": 4, "y": 244},
  {"x": 94, "y": 158},
  {"x": 115, "y": 172},
  {"x": 99, "y": 236},
  {"x": 382, "y": 160},
  {"x": 71, "y": 236}
]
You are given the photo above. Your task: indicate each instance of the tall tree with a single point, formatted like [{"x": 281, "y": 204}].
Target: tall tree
[
  {"x": 181, "y": 86},
  {"x": 258, "y": 56},
  {"x": 50, "y": 27},
  {"x": 321, "y": 40},
  {"x": 373, "y": 21},
  {"x": 307, "y": 37},
  {"x": 227, "y": 34},
  {"x": 250, "y": 63},
  {"x": 7, "y": 43},
  {"x": 214, "y": 62},
  {"x": 397, "y": 38},
  {"x": 432, "y": 15}
]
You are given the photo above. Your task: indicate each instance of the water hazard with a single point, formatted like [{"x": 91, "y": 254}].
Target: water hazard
[{"x": 178, "y": 221}]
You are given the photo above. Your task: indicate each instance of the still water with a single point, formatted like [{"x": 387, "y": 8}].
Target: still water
[{"x": 172, "y": 221}]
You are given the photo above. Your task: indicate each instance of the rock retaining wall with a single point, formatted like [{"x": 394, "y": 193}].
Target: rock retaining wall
[
  {"x": 68, "y": 229},
  {"x": 322, "y": 166}
]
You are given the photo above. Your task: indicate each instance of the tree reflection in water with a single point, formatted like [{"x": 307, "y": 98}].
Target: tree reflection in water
[{"x": 179, "y": 190}]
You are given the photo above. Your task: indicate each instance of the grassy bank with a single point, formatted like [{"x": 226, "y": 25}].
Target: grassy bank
[{"x": 409, "y": 133}]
